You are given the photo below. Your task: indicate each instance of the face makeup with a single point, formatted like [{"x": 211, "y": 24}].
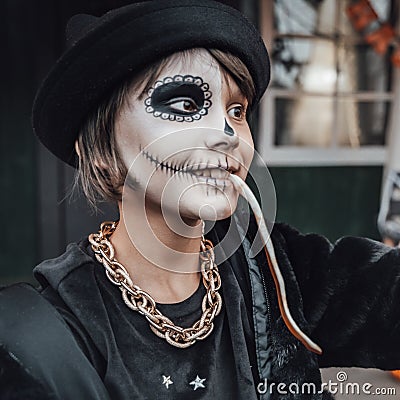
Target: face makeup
[
  {"x": 228, "y": 129},
  {"x": 215, "y": 175},
  {"x": 179, "y": 98},
  {"x": 182, "y": 141}
]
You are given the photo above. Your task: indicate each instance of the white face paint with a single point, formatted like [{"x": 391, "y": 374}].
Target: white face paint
[{"x": 180, "y": 144}]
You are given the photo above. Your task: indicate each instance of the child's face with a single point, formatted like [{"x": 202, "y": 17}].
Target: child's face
[{"x": 180, "y": 138}]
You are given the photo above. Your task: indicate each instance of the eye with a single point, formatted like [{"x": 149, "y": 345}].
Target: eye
[
  {"x": 237, "y": 112},
  {"x": 184, "y": 105}
]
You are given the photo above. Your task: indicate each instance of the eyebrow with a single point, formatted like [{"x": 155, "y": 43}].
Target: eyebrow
[{"x": 233, "y": 91}]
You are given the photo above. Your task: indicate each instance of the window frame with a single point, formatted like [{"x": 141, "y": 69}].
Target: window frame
[{"x": 283, "y": 155}]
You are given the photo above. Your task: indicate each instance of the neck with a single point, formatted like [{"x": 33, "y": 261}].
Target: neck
[{"x": 159, "y": 260}]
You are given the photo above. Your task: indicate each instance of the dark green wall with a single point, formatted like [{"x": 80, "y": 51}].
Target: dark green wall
[
  {"x": 333, "y": 201},
  {"x": 17, "y": 152}
]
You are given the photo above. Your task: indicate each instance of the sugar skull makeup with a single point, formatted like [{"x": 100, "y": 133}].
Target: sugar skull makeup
[
  {"x": 185, "y": 137},
  {"x": 228, "y": 129},
  {"x": 179, "y": 98}
]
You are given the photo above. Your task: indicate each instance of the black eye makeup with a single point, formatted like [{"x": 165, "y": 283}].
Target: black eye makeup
[{"x": 179, "y": 98}]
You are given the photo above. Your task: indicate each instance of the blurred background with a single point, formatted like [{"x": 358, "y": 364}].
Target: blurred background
[{"x": 326, "y": 127}]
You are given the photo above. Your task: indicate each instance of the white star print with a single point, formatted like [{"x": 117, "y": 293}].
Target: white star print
[
  {"x": 197, "y": 383},
  {"x": 167, "y": 381}
]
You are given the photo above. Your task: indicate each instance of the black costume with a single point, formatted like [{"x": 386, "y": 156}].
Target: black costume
[{"x": 321, "y": 280}]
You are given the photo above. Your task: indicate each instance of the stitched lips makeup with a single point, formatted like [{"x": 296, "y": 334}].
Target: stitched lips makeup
[
  {"x": 213, "y": 174},
  {"x": 179, "y": 98}
]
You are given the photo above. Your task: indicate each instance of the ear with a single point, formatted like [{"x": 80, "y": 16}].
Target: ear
[{"x": 77, "y": 148}]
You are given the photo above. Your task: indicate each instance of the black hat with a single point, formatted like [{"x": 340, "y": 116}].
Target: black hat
[{"x": 101, "y": 52}]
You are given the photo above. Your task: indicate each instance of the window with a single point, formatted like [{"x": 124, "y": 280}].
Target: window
[{"x": 331, "y": 95}]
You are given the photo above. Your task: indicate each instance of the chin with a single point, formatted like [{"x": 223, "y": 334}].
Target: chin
[{"x": 210, "y": 207}]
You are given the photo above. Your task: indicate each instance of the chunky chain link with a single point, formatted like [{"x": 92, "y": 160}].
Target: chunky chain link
[{"x": 139, "y": 300}]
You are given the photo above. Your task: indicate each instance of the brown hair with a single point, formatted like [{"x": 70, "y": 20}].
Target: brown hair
[{"x": 101, "y": 171}]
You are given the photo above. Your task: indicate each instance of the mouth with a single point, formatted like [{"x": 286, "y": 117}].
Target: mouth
[{"x": 214, "y": 173}]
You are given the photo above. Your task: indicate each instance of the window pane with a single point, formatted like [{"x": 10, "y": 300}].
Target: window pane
[
  {"x": 306, "y": 121},
  {"x": 362, "y": 123},
  {"x": 361, "y": 69},
  {"x": 306, "y": 17},
  {"x": 382, "y": 8},
  {"x": 305, "y": 65}
]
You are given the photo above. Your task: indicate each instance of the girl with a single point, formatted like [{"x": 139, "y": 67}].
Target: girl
[{"x": 150, "y": 103}]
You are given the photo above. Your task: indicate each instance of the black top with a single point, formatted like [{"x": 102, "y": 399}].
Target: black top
[
  {"x": 344, "y": 295},
  {"x": 131, "y": 360}
]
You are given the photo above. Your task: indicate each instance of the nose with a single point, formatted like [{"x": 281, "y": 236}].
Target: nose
[{"x": 222, "y": 139}]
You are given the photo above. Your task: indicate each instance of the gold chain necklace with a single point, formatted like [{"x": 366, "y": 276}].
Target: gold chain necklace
[{"x": 139, "y": 300}]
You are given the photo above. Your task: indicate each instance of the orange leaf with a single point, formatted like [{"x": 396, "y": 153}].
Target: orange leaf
[
  {"x": 361, "y": 14},
  {"x": 381, "y": 38}
]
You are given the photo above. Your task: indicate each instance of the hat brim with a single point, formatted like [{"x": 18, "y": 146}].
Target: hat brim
[{"x": 124, "y": 42}]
